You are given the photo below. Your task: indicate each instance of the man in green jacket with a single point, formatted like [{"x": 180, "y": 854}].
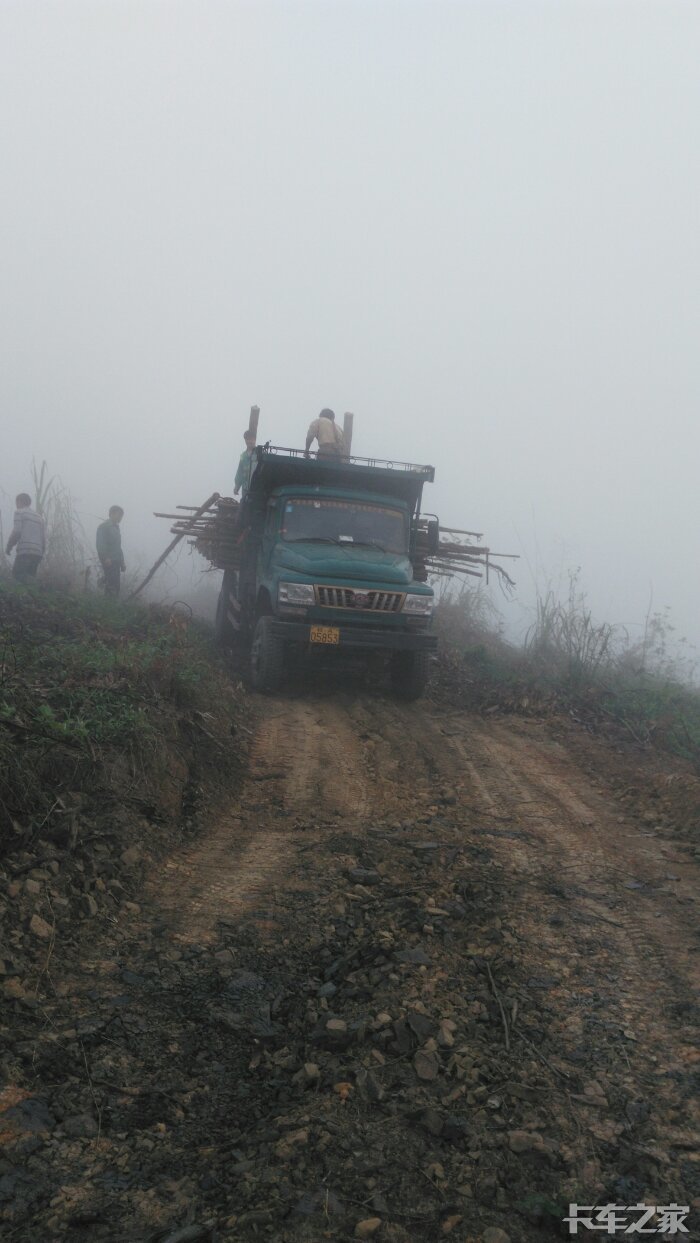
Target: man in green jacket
[
  {"x": 245, "y": 466},
  {"x": 109, "y": 550}
]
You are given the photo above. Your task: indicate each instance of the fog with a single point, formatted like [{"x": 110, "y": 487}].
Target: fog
[{"x": 475, "y": 225}]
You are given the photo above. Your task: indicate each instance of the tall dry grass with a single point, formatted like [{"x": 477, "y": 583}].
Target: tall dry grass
[
  {"x": 571, "y": 660},
  {"x": 66, "y": 561}
]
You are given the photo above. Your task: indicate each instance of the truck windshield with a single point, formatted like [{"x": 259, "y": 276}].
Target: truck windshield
[{"x": 344, "y": 522}]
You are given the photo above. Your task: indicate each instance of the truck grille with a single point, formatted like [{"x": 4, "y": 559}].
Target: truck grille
[{"x": 348, "y": 598}]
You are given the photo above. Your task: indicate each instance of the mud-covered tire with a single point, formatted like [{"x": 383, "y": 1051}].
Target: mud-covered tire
[
  {"x": 409, "y": 674},
  {"x": 224, "y": 633},
  {"x": 266, "y": 657},
  {"x": 222, "y": 626}
]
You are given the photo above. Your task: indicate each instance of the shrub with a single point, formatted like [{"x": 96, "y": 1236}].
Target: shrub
[{"x": 571, "y": 661}]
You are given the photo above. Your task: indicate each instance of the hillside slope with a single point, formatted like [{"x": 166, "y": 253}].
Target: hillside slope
[{"x": 421, "y": 970}]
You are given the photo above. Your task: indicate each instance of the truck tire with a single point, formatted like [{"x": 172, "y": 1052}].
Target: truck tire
[
  {"x": 266, "y": 657},
  {"x": 409, "y": 674},
  {"x": 224, "y": 633}
]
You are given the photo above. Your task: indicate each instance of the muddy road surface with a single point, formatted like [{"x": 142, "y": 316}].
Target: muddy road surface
[{"x": 425, "y": 976}]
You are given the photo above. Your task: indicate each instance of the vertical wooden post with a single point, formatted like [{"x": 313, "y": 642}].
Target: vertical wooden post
[
  {"x": 253, "y": 420},
  {"x": 347, "y": 432}
]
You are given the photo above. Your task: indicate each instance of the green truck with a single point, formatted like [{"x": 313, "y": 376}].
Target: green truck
[{"x": 327, "y": 556}]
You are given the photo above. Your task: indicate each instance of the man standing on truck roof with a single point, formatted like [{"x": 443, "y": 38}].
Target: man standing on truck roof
[
  {"x": 109, "y": 550},
  {"x": 331, "y": 442},
  {"x": 28, "y": 537},
  {"x": 245, "y": 465}
]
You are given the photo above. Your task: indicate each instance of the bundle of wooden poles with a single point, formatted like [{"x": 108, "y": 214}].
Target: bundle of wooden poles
[
  {"x": 212, "y": 529},
  {"x": 458, "y": 553}
]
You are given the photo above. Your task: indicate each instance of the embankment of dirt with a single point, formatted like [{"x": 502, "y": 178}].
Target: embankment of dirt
[{"x": 112, "y": 721}]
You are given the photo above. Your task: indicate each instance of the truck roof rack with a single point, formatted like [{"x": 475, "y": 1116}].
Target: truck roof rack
[{"x": 277, "y": 466}]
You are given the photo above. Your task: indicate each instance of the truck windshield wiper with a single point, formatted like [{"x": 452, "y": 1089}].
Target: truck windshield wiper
[
  {"x": 314, "y": 539},
  {"x": 341, "y": 543},
  {"x": 369, "y": 543}
]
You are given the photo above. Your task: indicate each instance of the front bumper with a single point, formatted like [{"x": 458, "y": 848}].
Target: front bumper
[{"x": 359, "y": 637}]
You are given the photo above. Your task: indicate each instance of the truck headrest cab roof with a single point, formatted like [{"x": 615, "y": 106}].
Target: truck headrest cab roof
[{"x": 277, "y": 467}]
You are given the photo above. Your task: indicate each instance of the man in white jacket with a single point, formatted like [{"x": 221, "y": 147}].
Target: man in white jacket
[
  {"x": 28, "y": 538},
  {"x": 331, "y": 442}
]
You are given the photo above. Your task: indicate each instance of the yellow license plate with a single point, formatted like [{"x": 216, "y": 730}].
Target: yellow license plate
[{"x": 325, "y": 634}]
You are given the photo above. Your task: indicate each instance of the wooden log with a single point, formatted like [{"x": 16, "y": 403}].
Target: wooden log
[
  {"x": 457, "y": 554},
  {"x": 451, "y": 571},
  {"x": 173, "y": 517},
  {"x": 253, "y": 420},
  {"x": 456, "y": 531},
  {"x": 472, "y": 550},
  {"x": 457, "y": 566},
  {"x": 348, "y": 420},
  {"x": 197, "y": 524},
  {"x": 173, "y": 543}
]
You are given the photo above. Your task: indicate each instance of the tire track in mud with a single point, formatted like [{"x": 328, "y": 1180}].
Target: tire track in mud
[
  {"x": 570, "y": 856},
  {"x": 318, "y": 765},
  {"x": 314, "y": 764},
  {"x": 581, "y": 837},
  {"x": 306, "y": 770},
  {"x": 566, "y": 855},
  {"x": 323, "y": 769}
]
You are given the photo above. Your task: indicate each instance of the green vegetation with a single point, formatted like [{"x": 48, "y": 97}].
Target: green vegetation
[
  {"x": 89, "y": 689},
  {"x": 569, "y": 660}
]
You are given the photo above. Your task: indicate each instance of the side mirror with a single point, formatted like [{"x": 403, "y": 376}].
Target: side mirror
[{"x": 433, "y": 536}]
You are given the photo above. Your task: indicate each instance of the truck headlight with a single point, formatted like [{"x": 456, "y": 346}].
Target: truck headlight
[
  {"x": 300, "y": 594},
  {"x": 418, "y": 606}
]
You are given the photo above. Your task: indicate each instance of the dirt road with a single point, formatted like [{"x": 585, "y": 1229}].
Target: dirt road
[
  {"x": 550, "y": 823},
  {"x": 428, "y": 969}
]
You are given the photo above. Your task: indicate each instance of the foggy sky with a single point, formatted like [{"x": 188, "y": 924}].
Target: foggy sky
[{"x": 474, "y": 224}]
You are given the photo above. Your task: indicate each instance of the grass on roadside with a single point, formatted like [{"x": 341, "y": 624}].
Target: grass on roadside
[
  {"x": 571, "y": 661},
  {"x": 84, "y": 685}
]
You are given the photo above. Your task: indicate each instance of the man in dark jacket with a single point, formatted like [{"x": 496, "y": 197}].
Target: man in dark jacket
[
  {"x": 109, "y": 550},
  {"x": 28, "y": 537}
]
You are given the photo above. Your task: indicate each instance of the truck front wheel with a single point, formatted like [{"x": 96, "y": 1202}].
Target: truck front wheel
[
  {"x": 224, "y": 633},
  {"x": 409, "y": 674},
  {"x": 266, "y": 657}
]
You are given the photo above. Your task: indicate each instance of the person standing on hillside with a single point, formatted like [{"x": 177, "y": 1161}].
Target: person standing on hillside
[
  {"x": 109, "y": 550},
  {"x": 245, "y": 466},
  {"x": 331, "y": 442},
  {"x": 28, "y": 538}
]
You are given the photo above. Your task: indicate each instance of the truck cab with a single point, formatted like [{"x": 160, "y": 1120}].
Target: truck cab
[{"x": 329, "y": 550}]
